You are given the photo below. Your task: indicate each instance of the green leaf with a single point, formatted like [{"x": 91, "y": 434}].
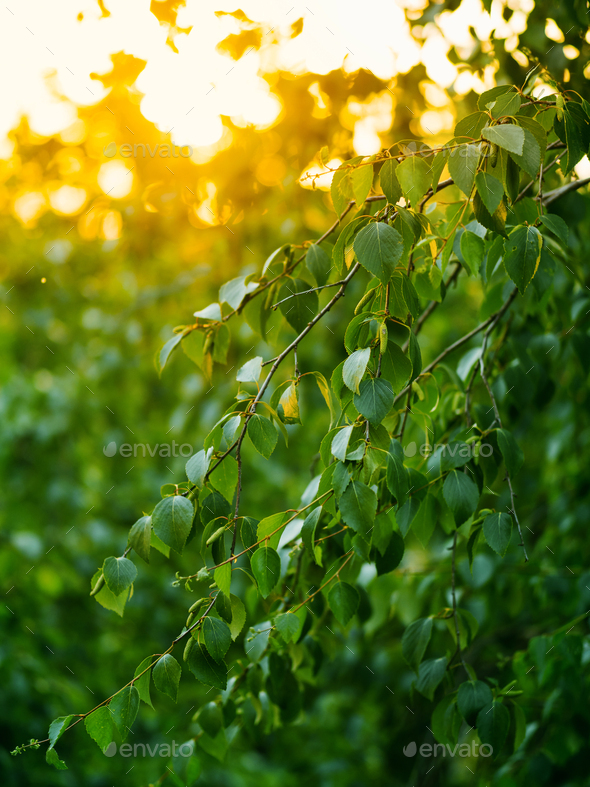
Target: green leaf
[
  {"x": 358, "y": 506},
  {"x": 172, "y": 519},
  {"x": 341, "y": 255},
  {"x": 507, "y": 136},
  {"x": 473, "y": 250},
  {"x": 492, "y": 221},
  {"x": 223, "y": 605},
  {"x": 211, "y": 313},
  {"x": 318, "y": 264},
  {"x": 206, "y": 669},
  {"x": 197, "y": 466},
  {"x": 415, "y": 356},
  {"x": 462, "y": 164},
  {"x": 576, "y": 128},
  {"x": 288, "y": 408},
  {"x": 471, "y": 125},
  {"x": 298, "y": 309},
  {"x": 530, "y": 160},
  {"x": 425, "y": 520},
  {"x": 415, "y": 641},
  {"x": 273, "y": 264},
  {"x": 225, "y": 478},
  {"x": 341, "y": 187},
  {"x": 166, "y": 352},
  {"x": 506, "y": 104},
  {"x": 490, "y": 190},
  {"x": 213, "y": 507},
  {"x": 308, "y": 531},
  {"x": 57, "y": 729},
  {"x": 461, "y": 495},
  {"x": 142, "y": 684},
  {"x": 124, "y": 707},
  {"x": 489, "y": 97},
  {"x": 354, "y": 368},
  {"x": 271, "y": 528},
  {"x": 497, "y": 529},
  {"x": 362, "y": 180},
  {"x": 389, "y": 182},
  {"x": 511, "y": 451},
  {"x": 238, "y": 616},
  {"x": 375, "y": 399},
  {"x": 454, "y": 454},
  {"x": 288, "y": 625},
  {"x": 379, "y": 248},
  {"x": 166, "y": 674},
  {"x": 519, "y": 725},
  {"x": 430, "y": 674},
  {"x": 140, "y": 537},
  {"x": 250, "y": 372},
  {"x": 327, "y": 394},
  {"x": 381, "y": 533},
  {"x": 473, "y": 695},
  {"x": 556, "y": 225},
  {"x": 414, "y": 176},
  {"x": 396, "y": 366},
  {"x": 263, "y": 435},
  {"x": 107, "y": 599},
  {"x": 445, "y": 711},
  {"x": 339, "y": 445},
  {"x": 343, "y": 600},
  {"x": 99, "y": 725},
  {"x": 392, "y": 557},
  {"x": 522, "y": 252},
  {"x": 119, "y": 574},
  {"x": 266, "y": 567},
  {"x": 234, "y": 291},
  {"x": 222, "y": 577},
  {"x": 493, "y": 722},
  {"x": 397, "y": 475},
  {"x": 340, "y": 479},
  {"x": 211, "y": 718},
  {"x": 217, "y": 636},
  {"x": 51, "y": 758}
]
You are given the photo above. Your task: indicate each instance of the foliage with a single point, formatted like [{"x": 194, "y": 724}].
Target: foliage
[{"x": 406, "y": 356}]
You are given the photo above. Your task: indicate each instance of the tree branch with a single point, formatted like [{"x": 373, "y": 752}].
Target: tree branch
[
  {"x": 573, "y": 185},
  {"x": 499, "y": 420},
  {"x": 460, "y": 342}
]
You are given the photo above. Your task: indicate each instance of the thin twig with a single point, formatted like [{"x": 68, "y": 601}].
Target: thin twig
[
  {"x": 460, "y": 342},
  {"x": 306, "y": 292},
  {"x": 455, "y": 613},
  {"x": 82, "y": 716},
  {"x": 499, "y": 420},
  {"x": 574, "y": 185}
]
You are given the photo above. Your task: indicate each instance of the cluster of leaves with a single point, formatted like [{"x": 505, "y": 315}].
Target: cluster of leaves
[{"x": 370, "y": 489}]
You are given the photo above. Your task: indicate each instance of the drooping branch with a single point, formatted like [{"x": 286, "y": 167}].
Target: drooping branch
[
  {"x": 454, "y": 600},
  {"x": 573, "y": 185},
  {"x": 460, "y": 342},
  {"x": 499, "y": 420}
]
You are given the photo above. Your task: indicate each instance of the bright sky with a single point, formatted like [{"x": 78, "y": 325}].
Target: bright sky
[{"x": 190, "y": 90}]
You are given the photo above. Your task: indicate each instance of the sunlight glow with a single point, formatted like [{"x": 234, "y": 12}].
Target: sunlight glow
[
  {"x": 187, "y": 92},
  {"x": 115, "y": 179}
]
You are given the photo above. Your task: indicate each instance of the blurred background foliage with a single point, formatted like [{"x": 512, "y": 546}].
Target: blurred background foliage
[{"x": 98, "y": 266}]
